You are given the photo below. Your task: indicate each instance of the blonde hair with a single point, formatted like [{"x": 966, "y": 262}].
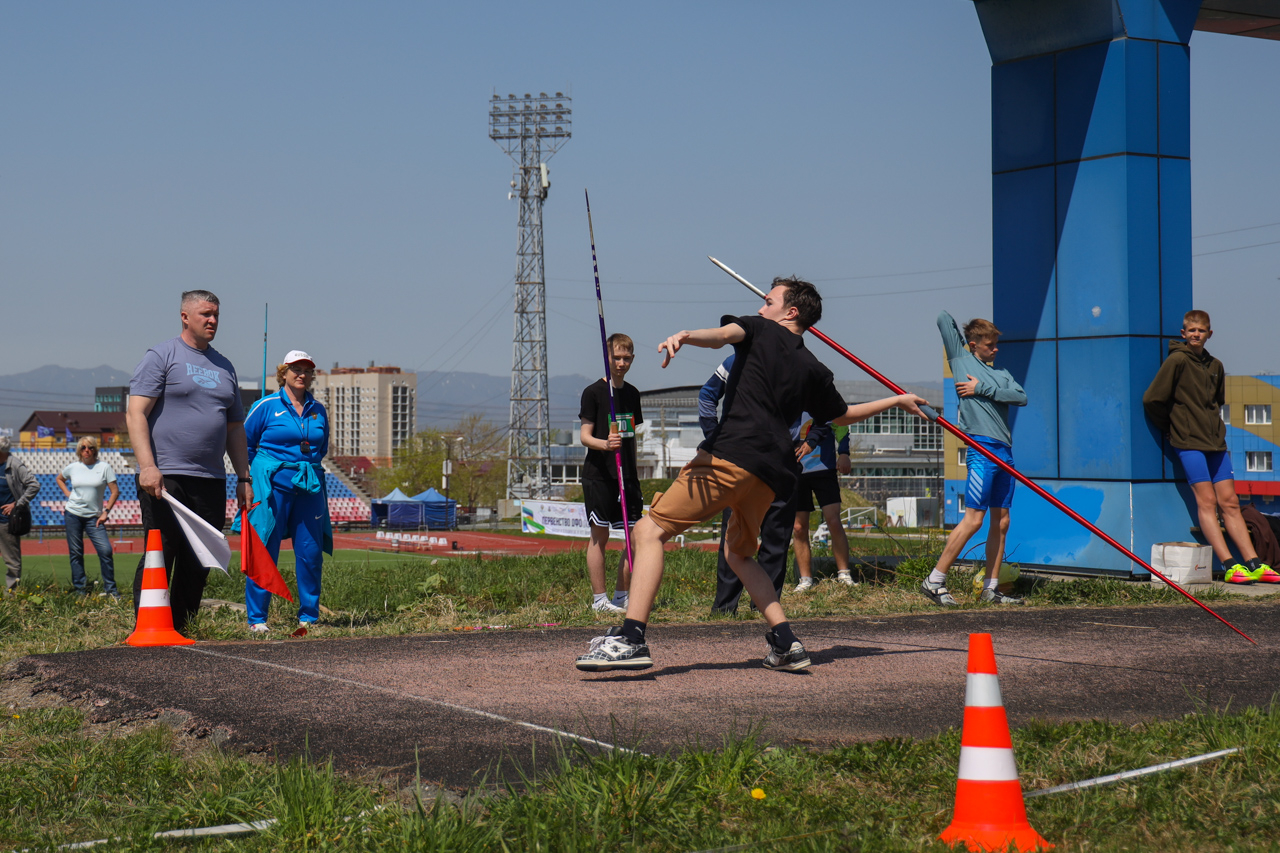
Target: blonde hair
[
  {"x": 622, "y": 342},
  {"x": 90, "y": 441},
  {"x": 979, "y": 329},
  {"x": 1195, "y": 315},
  {"x": 281, "y": 369}
]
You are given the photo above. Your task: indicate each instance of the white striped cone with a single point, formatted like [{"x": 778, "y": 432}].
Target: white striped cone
[
  {"x": 990, "y": 813},
  {"x": 155, "y": 618}
]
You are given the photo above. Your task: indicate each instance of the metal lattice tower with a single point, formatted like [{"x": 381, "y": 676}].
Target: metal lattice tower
[{"x": 530, "y": 130}]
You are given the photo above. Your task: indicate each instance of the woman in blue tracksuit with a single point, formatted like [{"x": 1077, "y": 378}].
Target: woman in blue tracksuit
[{"x": 288, "y": 435}]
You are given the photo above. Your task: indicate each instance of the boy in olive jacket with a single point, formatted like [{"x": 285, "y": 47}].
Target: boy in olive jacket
[{"x": 1184, "y": 402}]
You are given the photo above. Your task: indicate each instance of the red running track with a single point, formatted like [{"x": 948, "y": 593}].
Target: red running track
[{"x": 468, "y": 542}]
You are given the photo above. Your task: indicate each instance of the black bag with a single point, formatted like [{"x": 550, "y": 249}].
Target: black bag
[{"x": 20, "y": 520}]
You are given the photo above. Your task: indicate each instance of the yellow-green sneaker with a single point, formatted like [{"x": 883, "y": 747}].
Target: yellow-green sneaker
[
  {"x": 1266, "y": 574},
  {"x": 1238, "y": 573}
]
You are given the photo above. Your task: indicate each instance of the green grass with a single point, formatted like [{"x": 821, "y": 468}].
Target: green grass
[
  {"x": 61, "y": 783},
  {"x": 371, "y": 593},
  {"x": 64, "y": 780}
]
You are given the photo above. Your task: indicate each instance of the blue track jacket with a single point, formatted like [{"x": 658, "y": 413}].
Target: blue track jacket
[{"x": 276, "y": 433}]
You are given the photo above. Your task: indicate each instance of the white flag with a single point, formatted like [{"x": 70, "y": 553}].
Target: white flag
[{"x": 210, "y": 546}]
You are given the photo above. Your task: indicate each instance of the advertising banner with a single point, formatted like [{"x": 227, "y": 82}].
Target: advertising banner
[{"x": 557, "y": 518}]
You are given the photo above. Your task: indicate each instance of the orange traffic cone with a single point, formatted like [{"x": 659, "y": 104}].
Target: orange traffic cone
[
  {"x": 155, "y": 619},
  {"x": 990, "y": 813}
]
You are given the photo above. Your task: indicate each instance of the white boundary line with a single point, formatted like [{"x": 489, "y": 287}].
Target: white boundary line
[{"x": 400, "y": 694}]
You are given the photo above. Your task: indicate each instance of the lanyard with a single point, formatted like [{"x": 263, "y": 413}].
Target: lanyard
[{"x": 305, "y": 444}]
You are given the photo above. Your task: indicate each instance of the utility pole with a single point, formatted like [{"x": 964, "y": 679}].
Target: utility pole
[{"x": 530, "y": 130}]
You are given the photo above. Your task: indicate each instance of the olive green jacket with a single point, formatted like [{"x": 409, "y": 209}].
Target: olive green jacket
[{"x": 1185, "y": 399}]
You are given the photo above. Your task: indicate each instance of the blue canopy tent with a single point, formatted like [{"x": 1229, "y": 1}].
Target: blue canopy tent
[
  {"x": 441, "y": 512},
  {"x": 397, "y": 510}
]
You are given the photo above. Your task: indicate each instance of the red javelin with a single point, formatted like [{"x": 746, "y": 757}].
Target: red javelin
[{"x": 963, "y": 436}]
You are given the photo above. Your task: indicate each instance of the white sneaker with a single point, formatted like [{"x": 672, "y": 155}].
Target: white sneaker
[
  {"x": 607, "y": 606},
  {"x": 259, "y": 628},
  {"x": 804, "y": 585},
  {"x": 846, "y": 579}
]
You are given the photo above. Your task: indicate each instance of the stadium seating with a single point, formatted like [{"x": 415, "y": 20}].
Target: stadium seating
[{"x": 49, "y": 506}]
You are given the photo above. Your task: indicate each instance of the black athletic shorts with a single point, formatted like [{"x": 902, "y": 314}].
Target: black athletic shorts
[
  {"x": 824, "y": 484},
  {"x": 603, "y": 507}
]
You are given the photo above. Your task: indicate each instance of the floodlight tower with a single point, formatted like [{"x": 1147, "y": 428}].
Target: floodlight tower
[{"x": 530, "y": 130}]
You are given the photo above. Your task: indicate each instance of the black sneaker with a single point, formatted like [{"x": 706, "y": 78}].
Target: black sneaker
[
  {"x": 995, "y": 596},
  {"x": 786, "y": 660},
  {"x": 613, "y": 651},
  {"x": 938, "y": 593}
]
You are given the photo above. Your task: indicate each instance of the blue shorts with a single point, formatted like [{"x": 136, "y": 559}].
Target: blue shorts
[
  {"x": 1203, "y": 467},
  {"x": 989, "y": 484}
]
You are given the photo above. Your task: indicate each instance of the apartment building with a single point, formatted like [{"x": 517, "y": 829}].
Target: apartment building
[{"x": 372, "y": 410}]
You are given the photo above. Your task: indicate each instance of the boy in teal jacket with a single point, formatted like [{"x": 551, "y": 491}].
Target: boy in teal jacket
[{"x": 985, "y": 397}]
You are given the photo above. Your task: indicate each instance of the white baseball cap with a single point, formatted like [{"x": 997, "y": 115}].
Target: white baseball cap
[{"x": 297, "y": 355}]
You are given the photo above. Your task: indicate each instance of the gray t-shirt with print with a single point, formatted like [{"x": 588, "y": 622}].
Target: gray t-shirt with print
[{"x": 197, "y": 395}]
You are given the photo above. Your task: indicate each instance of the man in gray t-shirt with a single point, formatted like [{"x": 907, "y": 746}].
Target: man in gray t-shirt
[{"x": 184, "y": 413}]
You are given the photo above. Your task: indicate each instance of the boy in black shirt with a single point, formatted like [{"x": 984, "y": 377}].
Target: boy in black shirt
[
  {"x": 604, "y": 439},
  {"x": 746, "y": 463}
]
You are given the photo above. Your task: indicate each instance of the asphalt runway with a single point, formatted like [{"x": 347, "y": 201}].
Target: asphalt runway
[{"x": 456, "y": 707}]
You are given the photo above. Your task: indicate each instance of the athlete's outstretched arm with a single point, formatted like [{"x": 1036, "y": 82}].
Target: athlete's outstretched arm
[
  {"x": 706, "y": 338},
  {"x": 860, "y": 412}
]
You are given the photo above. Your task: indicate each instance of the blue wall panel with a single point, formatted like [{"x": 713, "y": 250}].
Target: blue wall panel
[
  {"x": 1140, "y": 97},
  {"x": 1108, "y": 255},
  {"x": 1175, "y": 244},
  {"x": 1162, "y": 512},
  {"x": 1149, "y": 354},
  {"x": 1143, "y": 282},
  {"x": 1041, "y": 534},
  {"x": 1135, "y": 515},
  {"x": 1034, "y": 426},
  {"x": 1175, "y": 100},
  {"x": 1022, "y": 114},
  {"x": 1024, "y": 232},
  {"x": 1103, "y": 432},
  {"x": 1090, "y": 102},
  {"x": 953, "y": 491}
]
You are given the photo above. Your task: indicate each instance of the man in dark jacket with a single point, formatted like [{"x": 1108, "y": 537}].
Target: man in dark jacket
[
  {"x": 18, "y": 487},
  {"x": 1184, "y": 402}
]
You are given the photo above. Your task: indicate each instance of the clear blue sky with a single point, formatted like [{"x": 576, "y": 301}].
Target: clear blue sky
[{"x": 332, "y": 159}]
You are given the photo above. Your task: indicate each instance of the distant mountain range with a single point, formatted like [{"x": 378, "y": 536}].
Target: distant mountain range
[{"x": 443, "y": 398}]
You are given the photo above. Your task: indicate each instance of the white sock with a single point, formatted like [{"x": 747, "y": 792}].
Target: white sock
[
  {"x": 936, "y": 576},
  {"x": 601, "y": 597},
  {"x": 991, "y": 583},
  {"x": 620, "y": 597}
]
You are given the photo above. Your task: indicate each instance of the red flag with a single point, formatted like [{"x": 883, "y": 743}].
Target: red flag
[{"x": 256, "y": 562}]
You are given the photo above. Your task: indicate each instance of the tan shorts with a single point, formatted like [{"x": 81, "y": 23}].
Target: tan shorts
[{"x": 704, "y": 488}]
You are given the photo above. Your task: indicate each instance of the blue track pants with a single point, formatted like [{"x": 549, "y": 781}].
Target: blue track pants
[{"x": 299, "y": 516}]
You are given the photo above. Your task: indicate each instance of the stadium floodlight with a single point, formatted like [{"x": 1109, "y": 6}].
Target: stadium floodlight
[{"x": 524, "y": 134}]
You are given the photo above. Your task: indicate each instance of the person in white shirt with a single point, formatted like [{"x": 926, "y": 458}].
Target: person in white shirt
[{"x": 85, "y": 482}]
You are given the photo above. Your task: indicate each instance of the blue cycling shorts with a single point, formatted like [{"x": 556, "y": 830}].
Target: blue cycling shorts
[
  {"x": 1203, "y": 467},
  {"x": 989, "y": 485}
]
